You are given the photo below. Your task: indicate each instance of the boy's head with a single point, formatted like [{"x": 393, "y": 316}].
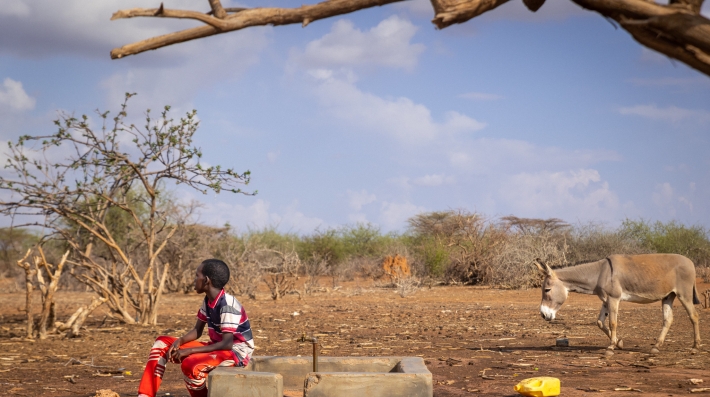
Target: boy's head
[{"x": 216, "y": 271}]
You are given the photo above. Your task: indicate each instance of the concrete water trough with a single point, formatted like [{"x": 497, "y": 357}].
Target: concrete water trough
[{"x": 268, "y": 376}]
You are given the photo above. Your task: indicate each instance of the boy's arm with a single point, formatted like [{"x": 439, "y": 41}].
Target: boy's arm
[
  {"x": 225, "y": 344},
  {"x": 193, "y": 334}
]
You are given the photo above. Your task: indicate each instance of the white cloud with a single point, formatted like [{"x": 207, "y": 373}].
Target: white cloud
[
  {"x": 394, "y": 215},
  {"x": 670, "y": 113},
  {"x": 480, "y": 96},
  {"x": 50, "y": 28},
  {"x": 401, "y": 117},
  {"x": 434, "y": 180},
  {"x": 359, "y": 199},
  {"x": 568, "y": 195},
  {"x": 345, "y": 46},
  {"x": 14, "y": 97},
  {"x": 226, "y": 57},
  {"x": 258, "y": 215}
]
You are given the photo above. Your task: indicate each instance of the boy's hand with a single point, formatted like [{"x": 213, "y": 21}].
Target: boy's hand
[
  {"x": 174, "y": 349},
  {"x": 180, "y": 354}
]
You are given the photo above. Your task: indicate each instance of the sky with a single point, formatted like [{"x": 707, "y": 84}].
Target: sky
[{"x": 376, "y": 116}]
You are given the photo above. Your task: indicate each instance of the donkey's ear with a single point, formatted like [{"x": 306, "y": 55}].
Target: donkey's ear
[
  {"x": 549, "y": 271},
  {"x": 544, "y": 269}
]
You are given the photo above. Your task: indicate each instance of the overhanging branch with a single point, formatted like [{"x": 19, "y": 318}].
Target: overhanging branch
[
  {"x": 236, "y": 21},
  {"x": 677, "y": 30}
]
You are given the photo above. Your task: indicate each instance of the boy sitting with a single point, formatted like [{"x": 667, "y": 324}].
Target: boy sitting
[{"x": 230, "y": 343}]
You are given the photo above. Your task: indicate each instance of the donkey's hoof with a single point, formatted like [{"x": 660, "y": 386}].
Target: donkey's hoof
[
  {"x": 608, "y": 353},
  {"x": 655, "y": 350},
  {"x": 694, "y": 351},
  {"x": 620, "y": 344}
]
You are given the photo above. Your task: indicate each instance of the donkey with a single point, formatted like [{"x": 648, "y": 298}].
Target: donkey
[{"x": 634, "y": 278}]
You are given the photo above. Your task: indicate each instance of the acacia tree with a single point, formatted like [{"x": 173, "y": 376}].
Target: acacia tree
[
  {"x": 78, "y": 182},
  {"x": 676, "y": 29}
]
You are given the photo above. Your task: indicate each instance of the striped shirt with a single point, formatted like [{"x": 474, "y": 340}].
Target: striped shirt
[{"x": 226, "y": 314}]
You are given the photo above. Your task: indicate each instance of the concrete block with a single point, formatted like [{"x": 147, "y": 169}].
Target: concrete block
[
  {"x": 295, "y": 369},
  {"x": 409, "y": 377},
  {"x": 239, "y": 382},
  {"x": 358, "y": 384},
  {"x": 336, "y": 377}
]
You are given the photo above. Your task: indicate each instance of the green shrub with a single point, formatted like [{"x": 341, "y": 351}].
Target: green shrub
[
  {"x": 434, "y": 256},
  {"x": 671, "y": 238},
  {"x": 590, "y": 242}
]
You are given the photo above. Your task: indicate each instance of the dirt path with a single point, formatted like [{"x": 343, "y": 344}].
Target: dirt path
[{"x": 474, "y": 341}]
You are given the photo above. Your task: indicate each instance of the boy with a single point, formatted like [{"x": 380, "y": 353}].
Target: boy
[{"x": 230, "y": 343}]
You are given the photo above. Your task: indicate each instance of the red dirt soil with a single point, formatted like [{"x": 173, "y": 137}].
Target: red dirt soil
[{"x": 475, "y": 341}]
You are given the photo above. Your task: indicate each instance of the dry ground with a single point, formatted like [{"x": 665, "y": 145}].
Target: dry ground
[{"x": 474, "y": 341}]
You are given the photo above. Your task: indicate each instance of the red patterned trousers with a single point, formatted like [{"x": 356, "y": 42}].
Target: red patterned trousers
[{"x": 195, "y": 367}]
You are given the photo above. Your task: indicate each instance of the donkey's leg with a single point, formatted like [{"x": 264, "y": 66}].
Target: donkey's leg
[
  {"x": 601, "y": 320},
  {"x": 687, "y": 302},
  {"x": 613, "y": 307},
  {"x": 667, "y": 321}
]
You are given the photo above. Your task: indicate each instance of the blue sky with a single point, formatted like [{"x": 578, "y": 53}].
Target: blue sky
[{"x": 376, "y": 116}]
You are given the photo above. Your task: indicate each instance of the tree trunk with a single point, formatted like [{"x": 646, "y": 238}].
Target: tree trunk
[
  {"x": 153, "y": 313},
  {"x": 28, "y": 302},
  {"x": 29, "y": 288},
  {"x": 48, "y": 290}
]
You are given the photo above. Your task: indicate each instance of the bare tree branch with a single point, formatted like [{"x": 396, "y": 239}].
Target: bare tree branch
[
  {"x": 677, "y": 29},
  {"x": 243, "y": 19},
  {"x": 449, "y": 12},
  {"x": 217, "y": 9}
]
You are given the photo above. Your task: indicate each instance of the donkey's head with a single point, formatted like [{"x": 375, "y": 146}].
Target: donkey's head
[{"x": 554, "y": 292}]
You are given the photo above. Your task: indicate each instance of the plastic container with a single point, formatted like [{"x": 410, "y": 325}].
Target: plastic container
[{"x": 542, "y": 386}]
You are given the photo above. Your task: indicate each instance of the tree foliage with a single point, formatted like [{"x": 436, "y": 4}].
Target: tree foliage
[{"x": 102, "y": 190}]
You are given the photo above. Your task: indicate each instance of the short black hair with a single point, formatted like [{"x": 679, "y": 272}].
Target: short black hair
[{"x": 217, "y": 271}]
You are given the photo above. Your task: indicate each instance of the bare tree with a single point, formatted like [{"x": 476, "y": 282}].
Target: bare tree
[
  {"x": 190, "y": 245},
  {"x": 280, "y": 268},
  {"x": 676, "y": 29},
  {"x": 534, "y": 225},
  {"x": 48, "y": 288},
  {"x": 47, "y": 276},
  {"x": 109, "y": 205},
  {"x": 314, "y": 267}
]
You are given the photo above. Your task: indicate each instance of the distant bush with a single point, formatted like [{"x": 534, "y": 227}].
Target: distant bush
[
  {"x": 671, "y": 238},
  {"x": 591, "y": 242},
  {"x": 14, "y": 243},
  {"x": 454, "y": 246},
  {"x": 471, "y": 241}
]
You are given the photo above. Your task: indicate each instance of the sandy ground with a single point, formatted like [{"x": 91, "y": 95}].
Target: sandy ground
[{"x": 474, "y": 341}]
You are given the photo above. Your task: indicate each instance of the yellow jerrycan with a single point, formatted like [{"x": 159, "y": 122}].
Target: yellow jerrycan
[{"x": 542, "y": 386}]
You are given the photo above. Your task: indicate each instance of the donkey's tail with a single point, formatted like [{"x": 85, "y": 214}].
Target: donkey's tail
[{"x": 696, "y": 301}]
